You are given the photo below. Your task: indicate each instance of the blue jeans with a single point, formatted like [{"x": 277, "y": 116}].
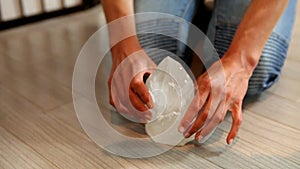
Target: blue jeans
[{"x": 225, "y": 19}]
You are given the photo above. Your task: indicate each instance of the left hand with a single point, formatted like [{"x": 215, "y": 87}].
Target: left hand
[{"x": 219, "y": 90}]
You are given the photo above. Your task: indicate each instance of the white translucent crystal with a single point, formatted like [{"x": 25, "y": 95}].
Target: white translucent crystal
[{"x": 172, "y": 90}]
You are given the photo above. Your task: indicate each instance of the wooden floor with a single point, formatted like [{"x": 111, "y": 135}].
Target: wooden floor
[{"x": 39, "y": 128}]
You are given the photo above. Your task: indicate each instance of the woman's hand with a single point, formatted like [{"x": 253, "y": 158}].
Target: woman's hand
[
  {"x": 130, "y": 65},
  {"x": 127, "y": 93},
  {"x": 221, "y": 88}
]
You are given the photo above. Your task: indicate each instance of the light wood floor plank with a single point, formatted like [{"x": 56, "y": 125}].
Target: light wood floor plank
[
  {"x": 255, "y": 146},
  {"x": 217, "y": 151},
  {"x": 291, "y": 69},
  {"x": 269, "y": 137},
  {"x": 57, "y": 144},
  {"x": 171, "y": 159},
  {"x": 15, "y": 154},
  {"x": 277, "y": 108},
  {"x": 287, "y": 88},
  {"x": 67, "y": 147},
  {"x": 242, "y": 154},
  {"x": 32, "y": 84}
]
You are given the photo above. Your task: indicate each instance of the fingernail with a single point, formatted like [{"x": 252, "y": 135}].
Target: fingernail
[
  {"x": 181, "y": 129},
  {"x": 230, "y": 141},
  {"x": 187, "y": 135},
  {"x": 149, "y": 105},
  {"x": 148, "y": 117}
]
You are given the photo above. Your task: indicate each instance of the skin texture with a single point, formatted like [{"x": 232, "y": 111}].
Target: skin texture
[
  {"x": 138, "y": 92},
  {"x": 238, "y": 64},
  {"x": 139, "y": 95},
  {"x": 208, "y": 108}
]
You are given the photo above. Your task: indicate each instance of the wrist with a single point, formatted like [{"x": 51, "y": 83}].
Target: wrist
[
  {"x": 126, "y": 47},
  {"x": 243, "y": 59},
  {"x": 240, "y": 61}
]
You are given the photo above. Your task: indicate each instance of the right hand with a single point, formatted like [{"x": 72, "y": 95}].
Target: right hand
[{"x": 137, "y": 92}]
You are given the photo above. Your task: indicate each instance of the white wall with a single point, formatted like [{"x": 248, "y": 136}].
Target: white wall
[
  {"x": 32, "y": 7},
  {"x": 10, "y": 9},
  {"x": 53, "y": 5},
  {"x": 71, "y": 3}
]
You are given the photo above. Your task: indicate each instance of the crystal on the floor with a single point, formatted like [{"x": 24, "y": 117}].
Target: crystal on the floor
[{"x": 172, "y": 90}]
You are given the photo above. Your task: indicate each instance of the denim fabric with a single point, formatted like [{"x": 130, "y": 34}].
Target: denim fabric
[
  {"x": 181, "y": 8},
  {"x": 224, "y": 22}
]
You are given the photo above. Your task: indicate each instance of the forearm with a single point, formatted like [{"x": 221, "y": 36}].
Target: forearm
[
  {"x": 115, "y": 9},
  {"x": 254, "y": 30}
]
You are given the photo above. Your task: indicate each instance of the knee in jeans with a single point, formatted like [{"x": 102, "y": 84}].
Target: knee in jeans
[
  {"x": 270, "y": 64},
  {"x": 259, "y": 84}
]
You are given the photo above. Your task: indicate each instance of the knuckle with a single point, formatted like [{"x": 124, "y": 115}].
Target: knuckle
[
  {"x": 220, "y": 118},
  {"x": 144, "y": 96},
  {"x": 140, "y": 107},
  {"x": 238, "y": 101},
  {"x": 236, "y": 104},
  {"x": 239, "y": 121},
  {"x": 194, "y": 108},
  {"x": 137, "y": 80},
  {"x": 205, "y": 82},
  {"x": 228, "y": 95},
  {"x": 135, "y": 83}
]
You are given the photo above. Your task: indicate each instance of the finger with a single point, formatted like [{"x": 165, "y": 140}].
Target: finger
[
  {"x": 111, "y": 102},
  {"x": 207, "y": 131},
  {"x": 195, "y": 106},
  {"x": 236, "y": 113},
  {"x": 123, "y": 110},
  {"x": 136, "y": 101},
  {"x": 201, "y": 119},
  {"x": 118, "y": 97},
  {"x": 116, "y": 88},
  {"x": 190, "y": 114},
  {"x": 139, "y": 87},
  {"x": 141, "y": 110},
  {"x": 142, "y": 117},
  {"x": 201, "y": 138},
  {"x": 127, "y": 102},
  {"x": 130, "y": 115}
]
